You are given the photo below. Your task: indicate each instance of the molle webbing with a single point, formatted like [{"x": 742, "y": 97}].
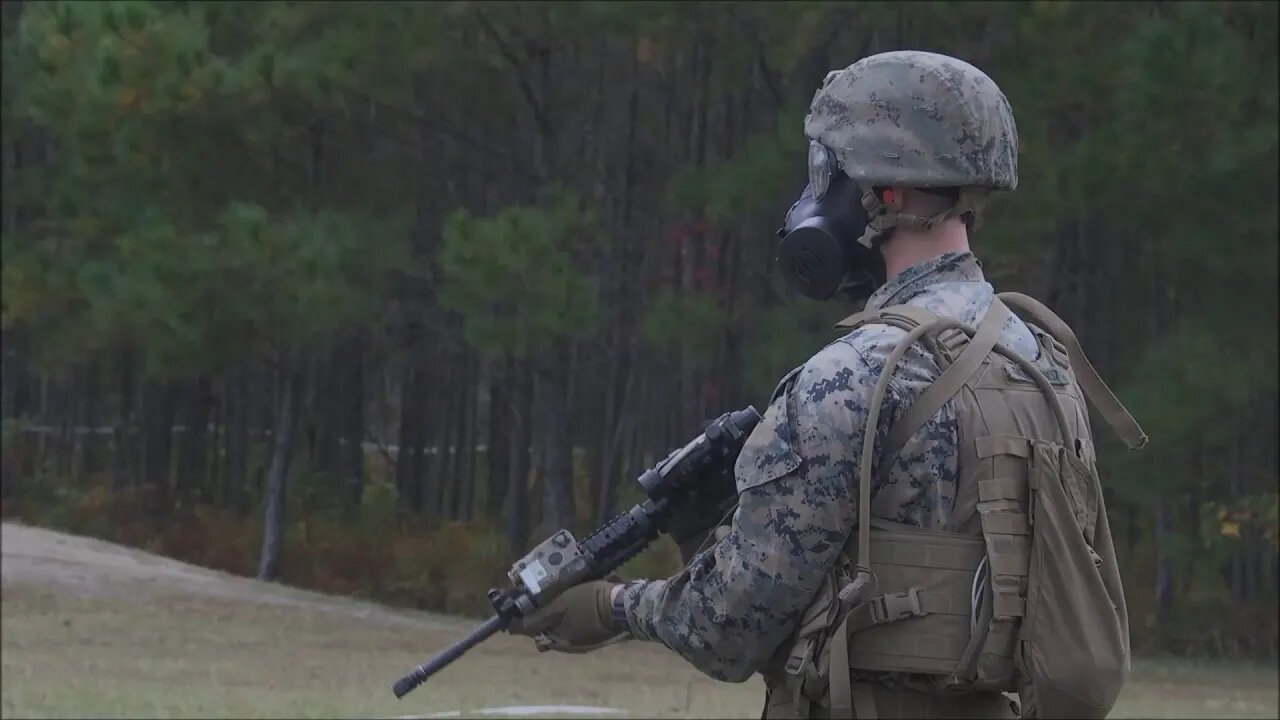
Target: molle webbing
[
  {"x": 1006, "y": 527},
  {"x": 931, "y": 564},
  {"x": 937, "y": 567},
  {"x": 933, "y": 325},
  {"x": 951, "y": 380},
  {"x": 939, "y": 646}
]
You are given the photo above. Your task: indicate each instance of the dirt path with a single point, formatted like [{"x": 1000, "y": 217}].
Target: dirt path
[{"x": 87, "y": 567}]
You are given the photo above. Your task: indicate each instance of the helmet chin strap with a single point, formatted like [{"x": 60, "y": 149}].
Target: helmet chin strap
[{"x": 883, "y": 220}]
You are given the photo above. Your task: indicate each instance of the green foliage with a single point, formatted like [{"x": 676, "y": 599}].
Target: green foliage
[
  {"x": 766, "y": 167},
  {"x": 513, "y": 277},
  {"x": 694, "y": 320},
  {"x": 1185, "y": 391},
  {"x": 288, "y": 279},
  {"x": 141, "y": 240},
  {"x": 784, "y": 338},
  {"x": 197, "y": 186},
  {"x": 1197, "y": 139}
]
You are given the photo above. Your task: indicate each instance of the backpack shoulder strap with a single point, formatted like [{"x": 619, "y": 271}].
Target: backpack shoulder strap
[
  {"x": 1121, "y": 422},
  {"x": 951, "y": 379},
  {"x": 905, "y": 317},
  {"x": 852, "y": 321}
]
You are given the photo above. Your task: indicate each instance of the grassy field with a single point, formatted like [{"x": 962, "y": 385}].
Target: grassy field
[{"x": 158, "y": 649}]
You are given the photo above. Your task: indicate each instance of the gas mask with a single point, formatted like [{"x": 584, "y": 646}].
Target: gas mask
[{"x": 819, "y": 254}]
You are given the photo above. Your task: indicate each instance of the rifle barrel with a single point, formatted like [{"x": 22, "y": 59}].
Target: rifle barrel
[{"x": 420, "y": 674}]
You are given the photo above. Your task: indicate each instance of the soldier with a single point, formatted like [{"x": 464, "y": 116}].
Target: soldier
[{"x": 880, "y": 560}]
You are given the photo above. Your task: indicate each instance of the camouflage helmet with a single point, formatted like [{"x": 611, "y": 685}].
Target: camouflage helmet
[{"x": 916, "y": 119}]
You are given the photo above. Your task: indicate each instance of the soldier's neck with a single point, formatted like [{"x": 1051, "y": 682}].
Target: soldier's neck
[{"x": 908, "y": 247}]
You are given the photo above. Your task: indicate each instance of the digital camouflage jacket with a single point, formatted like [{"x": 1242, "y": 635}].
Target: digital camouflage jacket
[{"x": 731, "y": 608}]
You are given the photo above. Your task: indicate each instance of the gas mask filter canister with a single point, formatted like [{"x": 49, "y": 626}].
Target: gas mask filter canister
[{"x": 819, "y": 254}]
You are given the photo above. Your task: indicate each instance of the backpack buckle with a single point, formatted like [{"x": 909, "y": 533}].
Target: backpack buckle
[
  {"x": 892, "y": 607},
  {"x": 799, "y": 658},
  {"x": 950, "y": 343}
]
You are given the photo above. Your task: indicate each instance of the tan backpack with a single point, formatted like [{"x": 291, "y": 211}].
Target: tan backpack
[{"x": 1021, "y": 592}]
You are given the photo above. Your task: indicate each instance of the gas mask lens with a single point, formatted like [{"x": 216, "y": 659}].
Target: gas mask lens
[{"x": 822, "y": 165}]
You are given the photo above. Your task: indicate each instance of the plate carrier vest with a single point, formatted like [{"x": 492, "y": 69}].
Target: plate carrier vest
[{"x": 1021, "y": 592}]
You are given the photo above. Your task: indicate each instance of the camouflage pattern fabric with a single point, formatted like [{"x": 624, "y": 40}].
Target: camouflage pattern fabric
[
  {"x": 736, "y": 602},
  {"x": 918, "y": 119}
]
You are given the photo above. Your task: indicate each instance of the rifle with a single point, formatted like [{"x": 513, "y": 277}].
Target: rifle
[{"x": 700, "y": 472}]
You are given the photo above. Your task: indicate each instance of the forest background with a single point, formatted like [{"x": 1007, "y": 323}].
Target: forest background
[{"x": 409, "y": 286}]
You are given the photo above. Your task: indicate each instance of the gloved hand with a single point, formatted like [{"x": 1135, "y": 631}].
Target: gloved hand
[{"x": 577, "y": 621}]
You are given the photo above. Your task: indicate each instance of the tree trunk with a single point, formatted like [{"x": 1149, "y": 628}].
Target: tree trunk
[
  {"x": 499, "y": 441},
  {"x": 688, "y": 406},
  {"x": 60, "y": 413},
  {"x": 320, "y": 427},
  {"x": 352, "y": 423},
  {"x": 156, "y": 444},
  {"x": 124, "y": 466},
  {"x": 73, "y": 415},
  {"x": 89, "y": 459},
  {"x": 192, "y": 461},
  {"x": 15, "y": 376},
  {"x": 437, "y": 460},
  {"x": 273, "y": 529},
  {"x": 1164, "y": 567},
  {"x": 449, "y": 450},
  {"x": 519, "y": 441},
  {"x": 630, "y": 461},
  {"x": 214, "y": 450},
  {"x": 557, "y": 448},
  {"x": 409, "y": 460},
  {"x": 235, "y": 492},
  {"x": 621, "y": 421},
  {"x": 1234, "y": 482},
  {"x": 467, "y": 447},
  {"x": 1133, "y": 532}
]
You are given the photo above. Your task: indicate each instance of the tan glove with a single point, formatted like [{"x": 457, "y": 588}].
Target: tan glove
[{"x": 577, "y": 621}]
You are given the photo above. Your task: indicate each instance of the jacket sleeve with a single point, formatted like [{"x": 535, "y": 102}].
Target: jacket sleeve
[{"x": 731, "y": 608}]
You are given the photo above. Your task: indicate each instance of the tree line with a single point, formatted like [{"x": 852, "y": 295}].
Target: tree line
[{"x": 344, "y": 245}]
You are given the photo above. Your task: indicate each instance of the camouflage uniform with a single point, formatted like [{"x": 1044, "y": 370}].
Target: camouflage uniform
[
  {"x": 728, "y": 612},
  {"x": 774, "y": 594}
]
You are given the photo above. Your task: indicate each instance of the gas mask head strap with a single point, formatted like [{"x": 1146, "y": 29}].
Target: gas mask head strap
[{"x": 882, "y": 219}]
